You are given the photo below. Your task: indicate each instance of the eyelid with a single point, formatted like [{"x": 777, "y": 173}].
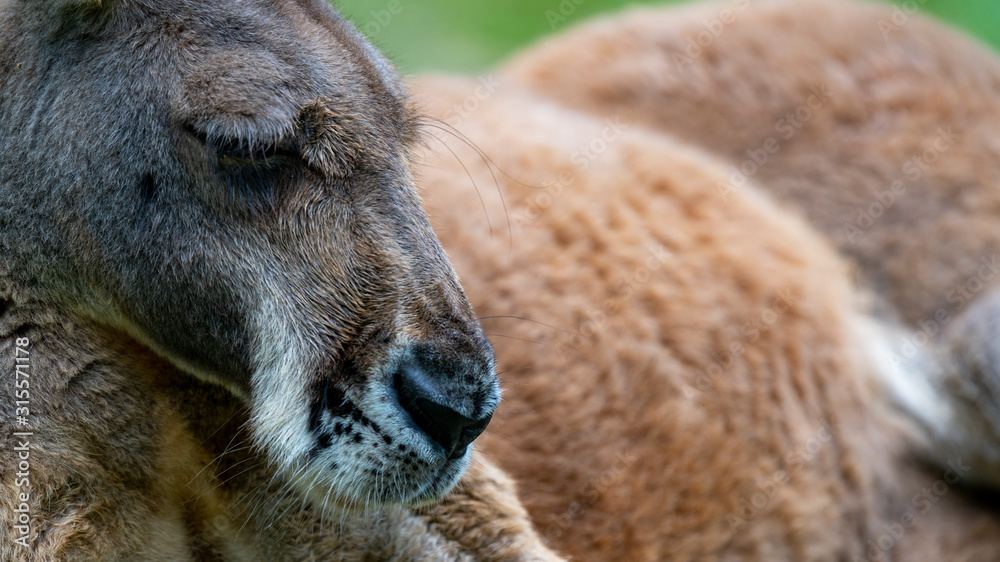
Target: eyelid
[{"x": 245, "y": 149}]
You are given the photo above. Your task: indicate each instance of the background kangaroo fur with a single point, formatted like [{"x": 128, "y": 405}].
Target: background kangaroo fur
[{"x": 881, "y": 132}]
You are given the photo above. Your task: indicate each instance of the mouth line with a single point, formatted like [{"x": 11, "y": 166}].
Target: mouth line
[{"x": 433, "y": 489}]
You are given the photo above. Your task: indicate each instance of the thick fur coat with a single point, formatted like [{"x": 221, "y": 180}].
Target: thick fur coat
[{"x": 693, "y": 369}]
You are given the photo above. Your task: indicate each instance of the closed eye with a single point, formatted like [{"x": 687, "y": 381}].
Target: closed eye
[
  {"x": 252, "y": 172},
  {"x": 237, "y": 151}
]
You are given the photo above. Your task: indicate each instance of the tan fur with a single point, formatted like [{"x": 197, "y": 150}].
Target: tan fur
[
  {"x": 879, "y": 126},
  {"x": 883, "y": 100},
  {"x": 890, "y": 95},
  {"x": 626, "y": 444}
]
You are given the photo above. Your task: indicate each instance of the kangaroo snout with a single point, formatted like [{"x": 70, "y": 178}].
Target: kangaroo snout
[
  {"x": 402, "y": 407},
  {"x": 434, "y": 410}
]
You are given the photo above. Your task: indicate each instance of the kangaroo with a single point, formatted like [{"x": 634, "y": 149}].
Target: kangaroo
[
  {"x": 880, "y": 126},
  {"x": 218, "y": 195},
  {"x": 687, "y": 379}
]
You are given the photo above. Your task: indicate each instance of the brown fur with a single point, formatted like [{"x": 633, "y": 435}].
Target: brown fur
[
  {"x": 897, "y": 161},
  {"x": 624, "y": 446},
  {"x": 626, "y": 443},
  {"x": 889, "y": 96},
  {"x": 689, "y": 377},
  {"x": 133, "y": 460}
]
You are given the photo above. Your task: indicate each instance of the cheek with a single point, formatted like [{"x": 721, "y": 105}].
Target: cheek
[{"x": 193, "y": 307}]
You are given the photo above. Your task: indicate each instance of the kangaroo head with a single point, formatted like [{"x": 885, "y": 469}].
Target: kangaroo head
[{"x": 228, "y": 183}]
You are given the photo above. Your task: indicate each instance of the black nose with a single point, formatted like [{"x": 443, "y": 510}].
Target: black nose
[{"x": 421, "y": 398}]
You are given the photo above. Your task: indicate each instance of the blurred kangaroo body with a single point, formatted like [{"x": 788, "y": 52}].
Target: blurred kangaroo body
[
  {"x": 884, "y": 135},
  {"x": 702, "y": 385},
  {"x": 881, "y": 128}
]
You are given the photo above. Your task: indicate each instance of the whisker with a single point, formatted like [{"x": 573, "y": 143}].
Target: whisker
[
  {"x": 491, "y": 165},
  {"x": 479, "y": 193},
  {"x": 518, "y": 339},
  {"x": 431, "y": 121},
  {"x": 238, "y": 474},
  {"x": 240, "y": 410},
  {"x": 526, "y": 320},
  {"x": 226, "y": 450}
]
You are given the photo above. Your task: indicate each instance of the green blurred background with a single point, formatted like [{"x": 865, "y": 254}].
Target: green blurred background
[{"x": 471, "y": 35}]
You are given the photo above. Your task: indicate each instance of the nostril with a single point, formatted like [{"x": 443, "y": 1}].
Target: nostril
[
  {"x": 442, "y": 424},
  {"x": 469, "y": 434}
]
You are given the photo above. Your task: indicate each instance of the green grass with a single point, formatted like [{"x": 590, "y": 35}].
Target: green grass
[{"x": 472, "y": 35}]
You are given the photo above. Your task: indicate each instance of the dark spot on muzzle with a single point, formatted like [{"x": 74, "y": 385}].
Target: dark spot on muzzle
[
  {"x": 422, "y": 399},
  {"x": 333, "y": 402}
]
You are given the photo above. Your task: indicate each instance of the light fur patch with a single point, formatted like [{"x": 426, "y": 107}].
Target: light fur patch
[{"x": 910, "y": 381}]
